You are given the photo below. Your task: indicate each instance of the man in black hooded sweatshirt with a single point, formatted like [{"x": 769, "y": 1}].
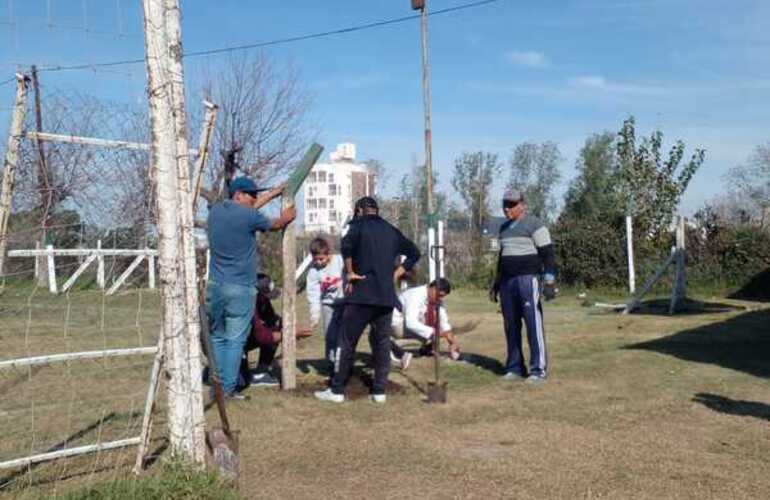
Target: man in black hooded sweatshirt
[{"x": 370, "y": 248}]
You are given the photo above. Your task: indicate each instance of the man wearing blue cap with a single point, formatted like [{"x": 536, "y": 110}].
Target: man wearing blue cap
[
  {"x": 526, "y": 255},
  {"x": 233, "y": 227}
]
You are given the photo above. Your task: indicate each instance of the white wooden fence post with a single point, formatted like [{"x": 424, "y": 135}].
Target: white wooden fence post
[
  {"x": 37, "y": 261},
  {"x": 431, "y": 255},
  {"x": 441, "y": 248},
  {"x": 630, "y": 252},
  {"x": 51, "y": 270},
  {"x": 99, "y": 265},
  {"x": 10, "y": 162},
  {"x": 151, "y": 271}
]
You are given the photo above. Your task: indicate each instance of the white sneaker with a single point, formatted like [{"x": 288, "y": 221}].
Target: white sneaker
[
  {"x": 328, "y": 395},
  {"x": 378, "y": 398},
  {"x": 394, "y": 359},
  {"x": 405, "y": 360}
]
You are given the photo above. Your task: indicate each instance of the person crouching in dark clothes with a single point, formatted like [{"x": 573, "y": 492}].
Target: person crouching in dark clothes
[{"x": 369, "y": 248}]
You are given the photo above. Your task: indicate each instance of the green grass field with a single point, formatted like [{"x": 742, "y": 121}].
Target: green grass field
[{"x": 640, "y": 406}]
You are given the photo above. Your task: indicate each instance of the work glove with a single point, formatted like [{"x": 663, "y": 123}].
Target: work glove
[{"x": 549, "y": 287}]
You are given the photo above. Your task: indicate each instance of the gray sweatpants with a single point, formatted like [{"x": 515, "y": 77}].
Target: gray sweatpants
[{"x": 331, "y": 322}]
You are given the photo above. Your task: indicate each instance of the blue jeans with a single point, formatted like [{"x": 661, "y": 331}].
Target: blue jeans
[{"x": 230, "y": 308}]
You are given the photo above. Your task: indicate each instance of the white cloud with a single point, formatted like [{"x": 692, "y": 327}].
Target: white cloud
[
  {"x": 597, "y": 82},
  {"x": 529, "y": 58}
]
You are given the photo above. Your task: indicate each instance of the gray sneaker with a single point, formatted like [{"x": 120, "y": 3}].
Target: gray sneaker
[
  {"x": 263, "y": 379},
  {"x": 536, "y": 379},
  {"x": 513, "y": 376}
]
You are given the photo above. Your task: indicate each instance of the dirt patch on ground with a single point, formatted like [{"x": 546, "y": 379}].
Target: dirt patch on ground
[{"x": 359, "y": 386}]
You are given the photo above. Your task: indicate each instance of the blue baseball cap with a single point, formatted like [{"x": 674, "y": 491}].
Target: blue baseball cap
[{"x": 243, "y": 184}]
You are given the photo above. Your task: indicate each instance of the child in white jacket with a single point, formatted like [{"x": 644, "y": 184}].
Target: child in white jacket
[{"x": 325, "y": 292}]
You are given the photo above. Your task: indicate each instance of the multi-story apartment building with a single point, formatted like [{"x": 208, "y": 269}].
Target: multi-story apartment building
[{"x": 331, "y": 189}]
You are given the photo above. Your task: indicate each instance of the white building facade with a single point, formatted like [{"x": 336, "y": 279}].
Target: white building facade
[{"x": 331, "y": 189}]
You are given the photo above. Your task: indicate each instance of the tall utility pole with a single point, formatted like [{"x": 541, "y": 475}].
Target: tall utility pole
[
  {"x": 180, "y": 329},
  {"x": 422, "y": 6}
]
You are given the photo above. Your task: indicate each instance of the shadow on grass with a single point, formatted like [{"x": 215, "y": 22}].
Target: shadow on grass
[
  {"x": 733, "y": 406},
  {"x": 740, "y": 343},
  {"x": 687, "y": 306},
  {"x": 484, "y": 362},
  {"x": 757, "y": 288},
  {"x": 9, "y": 479}
]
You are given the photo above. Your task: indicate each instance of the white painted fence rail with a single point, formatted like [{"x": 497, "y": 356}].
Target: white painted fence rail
[
  {"x": 59, "y": 358},
  {"x": 92, "y": 254}
]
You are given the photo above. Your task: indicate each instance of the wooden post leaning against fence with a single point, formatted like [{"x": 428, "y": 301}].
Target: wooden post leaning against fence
[
  {"x": 176, "y": 258},
  {"x": 10, "y": 163},
  {"x": 289, "y": 258}
]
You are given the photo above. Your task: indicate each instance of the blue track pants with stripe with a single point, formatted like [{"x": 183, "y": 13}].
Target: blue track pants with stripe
[{"x": 520, "y": 300}]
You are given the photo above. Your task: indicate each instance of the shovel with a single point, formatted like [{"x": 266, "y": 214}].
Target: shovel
[
  {"x": 437, "y": 389},
  {"x": 222, "y": 441}
]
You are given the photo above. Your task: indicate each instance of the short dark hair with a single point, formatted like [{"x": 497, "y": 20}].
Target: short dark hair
[
  {"x": 442, "y": 285},
  {"x": 319, "y": 246},
  {"x": 366, "y": 203}
]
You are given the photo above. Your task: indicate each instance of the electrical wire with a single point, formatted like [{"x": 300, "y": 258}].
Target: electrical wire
[{"x": 278, "y": 41}]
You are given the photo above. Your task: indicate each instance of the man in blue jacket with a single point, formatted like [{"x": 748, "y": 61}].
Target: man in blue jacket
[
  {"x": 526, "y": 255},
  {"x": 370, "y": 249},
  {"x": 233, "y": 227}
]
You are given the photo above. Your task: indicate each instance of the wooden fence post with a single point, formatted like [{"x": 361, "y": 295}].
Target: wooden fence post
[
  {"x": 99, "y": 265},
  {"x": 289, "y": 256},
  {"x": 10, "y": 163},
  {"x": 51, "y": 270}
]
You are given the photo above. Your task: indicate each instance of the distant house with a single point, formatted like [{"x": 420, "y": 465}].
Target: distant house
[{"x": 331, "y": 189}]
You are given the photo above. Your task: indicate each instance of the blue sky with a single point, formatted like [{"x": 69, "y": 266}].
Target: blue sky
[{"x": 504, "y": 73}]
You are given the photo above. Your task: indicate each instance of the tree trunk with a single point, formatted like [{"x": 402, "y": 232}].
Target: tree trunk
[{"x": 169, "y": 159}]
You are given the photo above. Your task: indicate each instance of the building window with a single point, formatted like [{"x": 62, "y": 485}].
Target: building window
[
  {"x": 312, "y": 203},
  {"x": 322, "y": 203},
  {"x": 331, "y": 202},
  {"x": 311, "y": 191},
  {"x": 322, "y": 176},
  {"x": 311, "y": 177},
  {"x": 311, "y": 216},
  {"x": 332, "y": 190},
  {"x": 332, "y": 216}
]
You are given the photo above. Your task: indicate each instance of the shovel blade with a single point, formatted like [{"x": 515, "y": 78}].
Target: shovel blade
[
  {"x": 224, "y": 454},
  {"x": 437, "y": 392}
]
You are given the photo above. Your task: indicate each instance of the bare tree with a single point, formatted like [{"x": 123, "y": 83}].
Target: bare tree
[
  {"x": 750, "y": 185},
  {"x": 534, "y": 170},
  {"x": 263, "y": 123}
]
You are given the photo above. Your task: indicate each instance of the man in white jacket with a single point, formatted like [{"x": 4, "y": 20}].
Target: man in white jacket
[
  {"x": 418, "y": 319},
  {"x": 325, "y": 291}
]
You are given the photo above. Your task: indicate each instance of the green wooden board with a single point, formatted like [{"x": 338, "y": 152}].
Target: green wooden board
[{"x": 302, "y": 169}]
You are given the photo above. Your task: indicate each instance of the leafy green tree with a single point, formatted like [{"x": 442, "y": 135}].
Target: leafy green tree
[
  {"x": 534, "y": 170},
  {"x": 593, "y": 193},
  {"x": 650, "y": 186}
]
